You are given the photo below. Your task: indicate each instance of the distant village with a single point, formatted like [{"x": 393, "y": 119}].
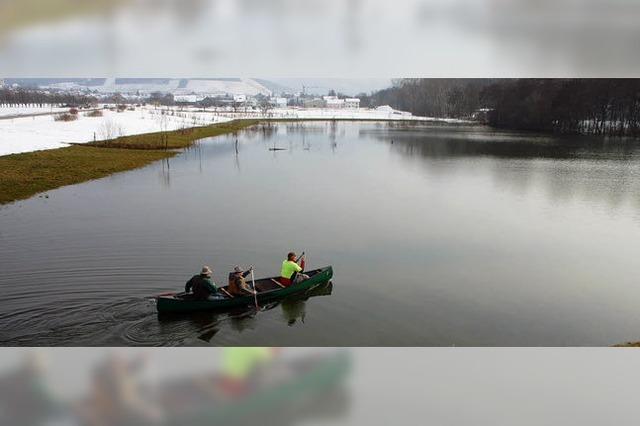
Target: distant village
[
  {"x": 282, "y": 101},
  {"x": 231, "y": 94}
]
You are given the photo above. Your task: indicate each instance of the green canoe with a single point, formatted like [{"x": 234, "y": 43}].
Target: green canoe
[
  {"x": 268, "y": 290},
  {"x": 299, "y": 389}
]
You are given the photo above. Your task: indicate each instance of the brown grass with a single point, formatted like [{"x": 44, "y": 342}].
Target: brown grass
[
  {"x": 65, "y": 117},
  {"x": 94, "y": 113}
]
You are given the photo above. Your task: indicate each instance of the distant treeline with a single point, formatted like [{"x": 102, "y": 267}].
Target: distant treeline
[
  {"x": 432, "y": 97},
  {"x": 588, "y": 106},
  {"x": 26, "y": 97}
]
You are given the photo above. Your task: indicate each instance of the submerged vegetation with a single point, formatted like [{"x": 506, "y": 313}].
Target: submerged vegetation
[{"x": 24, "y": 175}]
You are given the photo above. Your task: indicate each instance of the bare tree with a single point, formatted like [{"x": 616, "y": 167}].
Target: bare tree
[
  {"x": 108, "y": 130},
  {"x": 265, "y": 106},
  {"x": 163, "y": 124}
]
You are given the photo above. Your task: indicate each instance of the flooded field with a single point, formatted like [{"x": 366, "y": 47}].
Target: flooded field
[{"x": 438, "y": 235}]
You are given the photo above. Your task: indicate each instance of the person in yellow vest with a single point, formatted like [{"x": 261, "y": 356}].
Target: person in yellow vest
[
  {"x": 241, "y": 365},
  {"x": 291, "y": 272}
]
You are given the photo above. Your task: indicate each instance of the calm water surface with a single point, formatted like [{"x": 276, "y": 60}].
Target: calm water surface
[{"x": 438, "y": 235}]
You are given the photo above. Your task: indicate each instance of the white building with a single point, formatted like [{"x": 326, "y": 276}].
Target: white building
[
  {"x": 352, "y": 103},
  {"x": 240, "y": 99},
  {"x": 335, "y": 102}
]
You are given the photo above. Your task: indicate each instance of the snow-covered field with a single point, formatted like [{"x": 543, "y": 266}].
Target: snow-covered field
[{"x": 27, "y": 134}]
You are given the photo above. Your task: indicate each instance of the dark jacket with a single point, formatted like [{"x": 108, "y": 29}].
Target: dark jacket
[
  {"x": 202, "y": 286},
  {"x": 237, "y": 284}
]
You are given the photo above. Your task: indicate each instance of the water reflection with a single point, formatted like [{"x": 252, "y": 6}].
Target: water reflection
[
  {"x": 445, "y": 141},
  {"x": 236, "y": 161},
  {"x": 165, "y": 173},
  {"x": 449, "y": 235},
  {"x": 566, "y": 167},
  {"x": 207, "y": 324},
  {"x": 294, "y": 308}
]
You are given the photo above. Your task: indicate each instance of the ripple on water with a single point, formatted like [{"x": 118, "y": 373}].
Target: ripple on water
[{"x": 84, "y": 323}]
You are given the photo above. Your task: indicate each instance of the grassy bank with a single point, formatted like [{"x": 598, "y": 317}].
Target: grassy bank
[
  {"x": 27, "y": 174},
  {"x": 175, "y": 139},
  {"x": 24, "y": 175}
]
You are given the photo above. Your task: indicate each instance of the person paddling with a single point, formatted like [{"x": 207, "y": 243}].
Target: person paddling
[
  {"x": 291, "y": 272},
  {"x": 203, "y": 286},
  {"x": 245, "y": 367},
  {"x": 237, "y": 285}
]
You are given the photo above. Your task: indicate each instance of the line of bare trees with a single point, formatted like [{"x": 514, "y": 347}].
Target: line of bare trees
[
  {"x": 27, "y": 97},
  {"x": 431, "y": 97},
  {"x": 586, "y": 106}
]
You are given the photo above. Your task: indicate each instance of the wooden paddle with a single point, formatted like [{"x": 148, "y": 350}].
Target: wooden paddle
[{"x": 255, "y": 292}]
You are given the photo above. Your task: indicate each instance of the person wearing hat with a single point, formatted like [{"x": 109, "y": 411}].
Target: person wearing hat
[
  {"x": 203, "y": 286},
  {"x": 237, "y": 284}
]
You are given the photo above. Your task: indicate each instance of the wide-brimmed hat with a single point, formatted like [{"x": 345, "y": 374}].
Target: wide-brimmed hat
[
  {"x": 206, "y": 271},
  {"x": 237, "y": 269}
]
